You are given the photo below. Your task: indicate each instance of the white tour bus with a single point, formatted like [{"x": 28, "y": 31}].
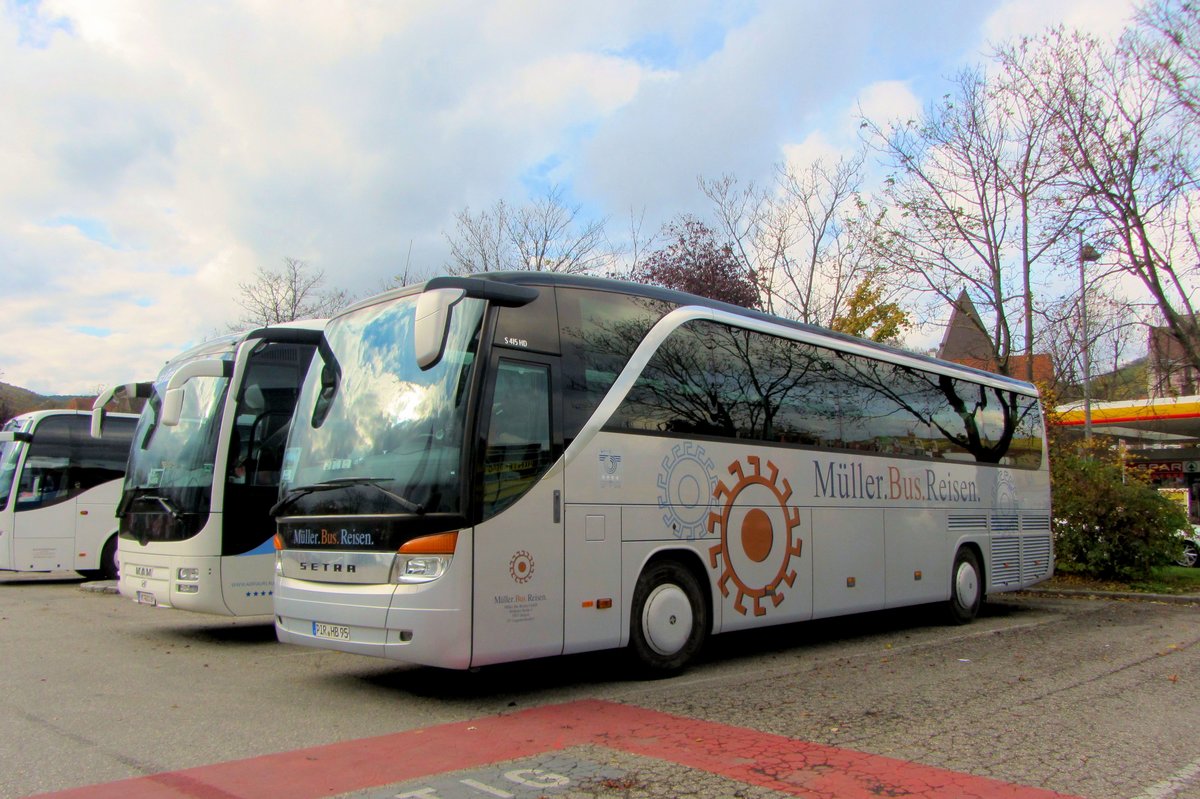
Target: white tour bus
[
  {"x": 59, "y": 489},
  {"x": 513, "y": 466},
  {"x": 195, "y": 531}
]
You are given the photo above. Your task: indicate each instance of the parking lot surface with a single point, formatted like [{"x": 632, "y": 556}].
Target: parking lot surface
[{"x": 1040, "y": 696}]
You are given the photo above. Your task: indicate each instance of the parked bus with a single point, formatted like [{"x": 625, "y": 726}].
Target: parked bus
[
  {"x": 513, "y": 466},
  {"x": 59, "y": 489},
  {"x": 195, "y": 532}
]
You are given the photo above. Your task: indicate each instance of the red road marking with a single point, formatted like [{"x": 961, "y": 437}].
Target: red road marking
[{"x": 748, "y": 756}]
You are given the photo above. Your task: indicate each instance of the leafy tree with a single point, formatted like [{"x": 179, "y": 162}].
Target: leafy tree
[
  {"x": 692, "y": 261},
  {"x": 286, "y": 294},
  {"x": 868, "y": 315},
  {"x": 1107, "y": 522},
  {"x": 545, "y": 236}
]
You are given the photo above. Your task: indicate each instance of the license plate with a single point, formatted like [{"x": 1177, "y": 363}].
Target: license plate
[
  {"x": 338, "y": 632},
  {"x": 146, "y": 598}
]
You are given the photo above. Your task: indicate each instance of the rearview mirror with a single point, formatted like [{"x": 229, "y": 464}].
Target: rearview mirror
[
  {"x": 172, "y": 407},
  {"x": 433, "y": 324}
]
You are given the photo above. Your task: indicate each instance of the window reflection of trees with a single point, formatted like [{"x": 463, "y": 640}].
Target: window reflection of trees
[
  {"x": 713, "y": 380},
  {"x": 600, "y": 331}
]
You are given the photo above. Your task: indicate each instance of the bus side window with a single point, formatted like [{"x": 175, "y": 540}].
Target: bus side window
[
  {"x": 518, "y": 443},
  {"x": 46, "y": 477}
]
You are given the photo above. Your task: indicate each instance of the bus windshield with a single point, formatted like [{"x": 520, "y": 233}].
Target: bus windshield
[
  {"x": 10, "y": 453},
  {"x": 371, "y": 422},
  {"x": 176, "y": 462}
]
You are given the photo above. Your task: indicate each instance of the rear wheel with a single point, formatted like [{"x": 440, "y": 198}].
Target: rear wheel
[
  {"x": 1191, "y": 553},
  {"x": 670, "y": 619},
  {"x": 109, "y": 565},
  {"x": 966, "y": 587}
]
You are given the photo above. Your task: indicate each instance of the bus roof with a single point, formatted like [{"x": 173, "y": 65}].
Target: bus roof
[{"x": 684, "y": 299}]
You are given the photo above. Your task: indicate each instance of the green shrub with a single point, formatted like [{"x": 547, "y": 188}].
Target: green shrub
[{"x": 1107, "y": 522}]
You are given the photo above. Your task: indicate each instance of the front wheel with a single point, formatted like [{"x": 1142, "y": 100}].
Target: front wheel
[
  {"x": 669, "y": 623},
  {"x": 966, "y": 587},
  {"x": 1191, "y": 553}
]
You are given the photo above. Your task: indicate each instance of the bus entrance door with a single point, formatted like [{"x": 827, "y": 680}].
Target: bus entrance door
[{"x": 518, "y": 605}]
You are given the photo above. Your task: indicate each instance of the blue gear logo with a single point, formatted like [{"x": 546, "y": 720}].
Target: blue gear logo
[{"x": 685, "y": 490}]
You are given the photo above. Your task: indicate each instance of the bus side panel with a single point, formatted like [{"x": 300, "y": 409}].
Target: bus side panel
[
  {"x": 44, "y": 538},
  {"x": 6, "y": 539},
  {"x": 917, "y": 569},
  {"x": 849, "y": 545},
  {"x": 95, "y": 523},
  {"x": 594, "y": 606},
  {"x": 248, "y": 582}
]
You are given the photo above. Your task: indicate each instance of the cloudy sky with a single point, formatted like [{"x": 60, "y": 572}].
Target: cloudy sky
[{"x": 155, "y": 154}]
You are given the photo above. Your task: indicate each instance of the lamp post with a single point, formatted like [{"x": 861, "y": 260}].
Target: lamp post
[{"x": 1087, "y": 253}]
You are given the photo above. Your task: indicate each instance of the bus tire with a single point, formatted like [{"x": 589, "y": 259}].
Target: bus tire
[
  {"x": 966, "y": 587},
  {"x": 670, "y": 619},
  {"x": 109, "y": 566}
]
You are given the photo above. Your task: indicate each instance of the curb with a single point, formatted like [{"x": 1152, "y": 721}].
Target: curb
[
  {"x": 99, "y": 587},
  {"x": 1086, "y": 593}
]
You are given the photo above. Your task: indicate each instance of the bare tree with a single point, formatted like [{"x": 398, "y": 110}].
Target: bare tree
[
  {"x": 973, "y": 202},
  {"x": 1114, "y": 333},
  {"x": 546, "y": 235},
  {"x": 1131, "y": 165},
  {"x": 798, "y": 239},
  {"x": 286, "y": 294}
]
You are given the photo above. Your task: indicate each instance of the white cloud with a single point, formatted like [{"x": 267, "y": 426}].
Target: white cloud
[
  {"x": 1016, "y": 18},
  {"x": 154, "y": 154}
]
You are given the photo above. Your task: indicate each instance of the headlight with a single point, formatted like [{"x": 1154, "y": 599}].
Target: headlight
[
  {"x": 419, "y": 568},
  {"x": 424, "y": 559}
]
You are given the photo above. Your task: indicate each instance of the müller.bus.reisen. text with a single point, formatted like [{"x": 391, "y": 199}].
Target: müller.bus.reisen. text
[{"x": 840, "y": 480}]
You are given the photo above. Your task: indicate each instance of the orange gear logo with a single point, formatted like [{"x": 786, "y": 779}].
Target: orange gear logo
[
  {"x": 757, "y": 535},
  {"x": 520, "y": 568}
]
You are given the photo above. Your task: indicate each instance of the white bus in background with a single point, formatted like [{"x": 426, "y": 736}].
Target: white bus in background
[
  {"x": 59, "y": 489},
  {"x": 515, "y": 466},
  {"x": 195, "y": 532}
]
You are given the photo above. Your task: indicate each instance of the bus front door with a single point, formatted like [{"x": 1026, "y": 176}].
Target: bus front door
[{"x": 518, "y": 558}]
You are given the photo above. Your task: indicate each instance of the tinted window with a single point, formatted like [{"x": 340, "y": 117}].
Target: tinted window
[
  {"x": 97, "y": 461},
  {"x": 65, "y": 460},
  {"x": 713, "y": 380},
  {"x": 600, "y": 331}
]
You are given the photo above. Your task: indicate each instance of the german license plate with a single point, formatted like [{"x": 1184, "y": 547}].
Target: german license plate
[
  {"x": 338, "y": 632},
  {"x": 146, "y": 598}
]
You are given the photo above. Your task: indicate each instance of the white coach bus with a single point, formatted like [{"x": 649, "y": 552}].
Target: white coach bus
[
  {"x": 59, "y": 489},
  {"x": 513, "y": 466},
  {"x": 195, "y": 531}
]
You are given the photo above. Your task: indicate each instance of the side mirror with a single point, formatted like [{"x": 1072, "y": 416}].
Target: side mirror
[
  {"x": 433, "y": 324},
  {"x": 141, "y": 390},
  {"x": 172, "y": 407}
]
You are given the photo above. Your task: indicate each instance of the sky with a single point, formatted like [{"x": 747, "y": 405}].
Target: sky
[{"x": 154, "y": 155}]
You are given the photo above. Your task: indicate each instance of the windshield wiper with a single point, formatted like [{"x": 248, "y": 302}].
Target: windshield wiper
[
  {"x": 132, "y": 497},
  {"x": 343, "y": 482}
]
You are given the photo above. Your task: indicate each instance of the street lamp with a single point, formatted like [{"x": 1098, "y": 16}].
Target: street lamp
[{"x": 1087, "y": 253}]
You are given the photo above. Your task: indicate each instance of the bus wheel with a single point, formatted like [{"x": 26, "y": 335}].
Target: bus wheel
[
  {"x": 670, "y": 621},
  {"x": 966, "y": 587},
  {"x": 108, "y": 560}
]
